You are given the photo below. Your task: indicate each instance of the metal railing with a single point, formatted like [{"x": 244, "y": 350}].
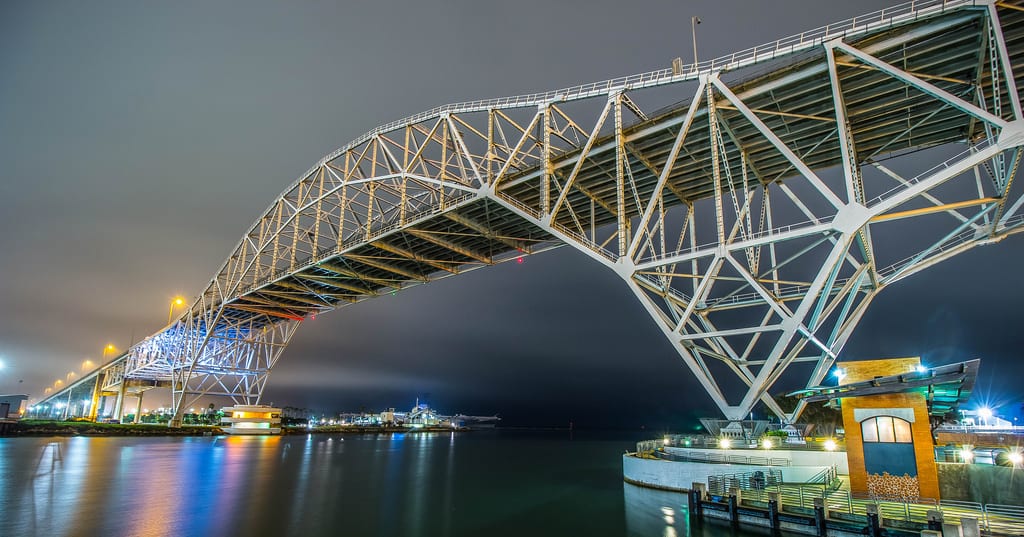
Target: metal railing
[
  {"x": 758, "y": 480},
  {"x": 992, "y": 518},
  {"x": 718, "y": 458}
]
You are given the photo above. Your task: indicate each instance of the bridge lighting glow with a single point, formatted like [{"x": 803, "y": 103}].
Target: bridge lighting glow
[
  {"x": 921, "y": 368},
  {"x": 724, "y": 443},
  {"x": 830, "y": 445},
  {"x": 177, "y": 301}
]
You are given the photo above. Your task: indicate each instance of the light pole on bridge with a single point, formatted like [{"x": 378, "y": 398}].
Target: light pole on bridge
[{"x": 178, "y": 301}]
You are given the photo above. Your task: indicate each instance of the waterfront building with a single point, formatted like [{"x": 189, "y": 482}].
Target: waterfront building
[
  {"x": 888, "y": 409},
  {"x": 12, "y": 406},
  {"x": 251, "y": 419}
]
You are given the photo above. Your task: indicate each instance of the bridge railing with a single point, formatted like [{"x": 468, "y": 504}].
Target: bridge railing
[
  {"x": 871, "y": 21},
  {"x": 709, "y": 247},
  {"x": 975, "y": 148}
]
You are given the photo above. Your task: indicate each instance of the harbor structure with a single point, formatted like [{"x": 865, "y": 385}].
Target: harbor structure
[
  {"x": 12, "y": 406},
  {"x": 885, "y": 473},
  {"x": 251, "y": 420}
]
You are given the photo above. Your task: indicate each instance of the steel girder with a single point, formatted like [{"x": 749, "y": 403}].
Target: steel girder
[{"x": 753, "y": 222}]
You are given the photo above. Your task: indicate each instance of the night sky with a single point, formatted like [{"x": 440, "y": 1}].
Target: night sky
[{"x": 139, "y": 140}]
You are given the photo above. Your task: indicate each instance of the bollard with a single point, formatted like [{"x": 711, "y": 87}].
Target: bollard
[
  {"x": 969, "y": 527},
  {"x": 819, "y": 517},
  {"x": 698, "y": 499},
  {"x": 935, "y": 520},
  {"x": 951, "y": 529},
  {"x": 738, "y": 493},
  {"x": 874, "y": 528},
  {"x": 734, "y": 514},
  {"x": 773, "y": 514}
]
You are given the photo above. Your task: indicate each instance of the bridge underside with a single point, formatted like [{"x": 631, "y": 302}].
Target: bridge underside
[{"x": 755, "y": 208}]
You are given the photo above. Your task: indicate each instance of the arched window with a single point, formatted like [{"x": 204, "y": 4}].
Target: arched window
[{"x": 887, "y": 429}]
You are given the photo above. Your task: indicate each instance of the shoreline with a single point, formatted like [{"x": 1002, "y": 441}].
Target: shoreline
[
  {"x": 36, "y": 428},
  {"x": 88, "y": 428}
]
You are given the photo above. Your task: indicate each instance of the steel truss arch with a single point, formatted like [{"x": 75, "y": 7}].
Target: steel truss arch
[{"x": 752, "y": 219}]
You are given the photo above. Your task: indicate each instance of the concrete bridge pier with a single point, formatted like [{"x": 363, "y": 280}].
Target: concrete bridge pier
[
  {"x": 119, "y": 404},
  {"x": 138, "y": 406}
]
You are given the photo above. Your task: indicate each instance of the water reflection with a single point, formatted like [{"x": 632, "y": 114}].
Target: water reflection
[
  {"x": 495, "y": 484},
  {"x": 651, "y": 512}
]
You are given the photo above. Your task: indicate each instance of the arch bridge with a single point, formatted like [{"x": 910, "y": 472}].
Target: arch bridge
[{"x": 755, "y": 219}]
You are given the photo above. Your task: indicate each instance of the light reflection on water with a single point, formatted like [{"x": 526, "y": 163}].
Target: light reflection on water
[{"x": 480, "y": 483}]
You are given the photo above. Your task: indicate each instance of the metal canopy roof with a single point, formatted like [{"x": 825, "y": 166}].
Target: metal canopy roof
[{"x": 946, "y": 386}]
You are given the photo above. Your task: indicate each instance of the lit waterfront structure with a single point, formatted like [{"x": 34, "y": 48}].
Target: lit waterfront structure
[
  {"x": 251, "y": 419},
  {"x": 421, "y": 415},
  {"x": 717, "y": 212}
]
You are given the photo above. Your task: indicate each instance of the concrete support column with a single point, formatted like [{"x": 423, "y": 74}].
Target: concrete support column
[
  {"x": 119, "y": 405},
  {"x": 138, "y": 407},
  {"x": 96, "y": 391}
]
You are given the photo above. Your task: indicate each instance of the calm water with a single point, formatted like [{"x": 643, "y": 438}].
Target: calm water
[{"x": 494, "y": 484}]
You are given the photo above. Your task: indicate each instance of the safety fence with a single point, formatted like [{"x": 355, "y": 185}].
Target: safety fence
[{"x": 993, "y": 519}]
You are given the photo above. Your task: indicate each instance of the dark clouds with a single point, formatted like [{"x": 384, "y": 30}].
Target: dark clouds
[{"x": 139, "y": 140}]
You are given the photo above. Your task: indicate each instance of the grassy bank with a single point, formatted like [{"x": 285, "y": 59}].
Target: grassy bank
[{"x": 88, "y": 428}]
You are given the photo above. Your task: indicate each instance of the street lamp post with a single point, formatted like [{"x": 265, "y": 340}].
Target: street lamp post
[
  {"x": 694, "y": 21},
  {"x": 178, "y": 301}
]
